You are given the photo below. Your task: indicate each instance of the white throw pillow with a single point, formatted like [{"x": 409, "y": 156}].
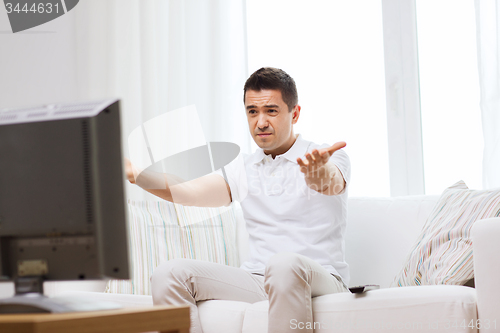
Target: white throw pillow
[{"x": 443, "y": 251}]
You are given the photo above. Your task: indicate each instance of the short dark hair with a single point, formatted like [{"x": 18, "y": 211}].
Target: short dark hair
[{"x": 274, "y": 79}]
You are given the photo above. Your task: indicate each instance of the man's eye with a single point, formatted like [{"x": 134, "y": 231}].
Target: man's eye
[
  {"x": 251, "y": 111},
  {"x": 272, "y": 110}
]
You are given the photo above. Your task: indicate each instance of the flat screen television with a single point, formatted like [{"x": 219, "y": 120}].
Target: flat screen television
[{"x": 62, "y": 202}]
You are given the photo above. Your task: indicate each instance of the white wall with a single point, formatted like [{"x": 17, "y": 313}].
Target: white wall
[{"x": 37, "y": 65}]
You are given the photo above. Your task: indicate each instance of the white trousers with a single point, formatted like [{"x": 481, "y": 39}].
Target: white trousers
[{"x": 290, "y": 281}]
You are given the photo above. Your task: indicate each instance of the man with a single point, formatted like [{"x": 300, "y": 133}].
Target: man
[{"x": 294, "y": 209}]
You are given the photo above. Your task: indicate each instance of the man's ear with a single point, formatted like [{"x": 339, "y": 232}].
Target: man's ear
[{"x": 296, "y": 114}]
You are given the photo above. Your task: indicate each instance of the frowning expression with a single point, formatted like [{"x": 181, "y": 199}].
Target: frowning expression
[{"x": 270, "y": 121}]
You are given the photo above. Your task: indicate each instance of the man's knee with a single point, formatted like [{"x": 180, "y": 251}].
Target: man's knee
[
  {"x": 284, "y": 269},
  {"x": 284, "y": 262},
  {"x": 170, "y": 282},
  {"x": 171, "y": 271}
]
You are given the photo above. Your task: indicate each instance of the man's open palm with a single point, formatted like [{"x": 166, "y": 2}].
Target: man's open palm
[{"x": 317, "y": 158}]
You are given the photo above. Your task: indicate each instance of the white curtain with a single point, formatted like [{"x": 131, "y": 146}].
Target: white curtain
[
  {"x": 161, "y": 55},
  {"x": 488, "y": 44}
]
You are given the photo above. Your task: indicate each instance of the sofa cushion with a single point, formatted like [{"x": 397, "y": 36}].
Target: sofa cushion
[
  {"x": 373, "y": 251},
  {"x": 442, "y": 253},
  {"x": 416, "y": 309},
  {"x": 160, "y": 231}
]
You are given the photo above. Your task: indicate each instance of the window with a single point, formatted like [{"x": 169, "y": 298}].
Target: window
[
  {"x": 334, "y": 51},
  {"x": 449, "y": 92}
]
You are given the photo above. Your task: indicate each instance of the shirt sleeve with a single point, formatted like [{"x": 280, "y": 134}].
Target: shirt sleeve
[
  {"x": 342, "y": 161},
  {"x": 233, "y": 174}
]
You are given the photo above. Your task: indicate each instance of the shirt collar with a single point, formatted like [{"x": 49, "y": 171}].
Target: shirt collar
[{"x": 298, "y": 149}]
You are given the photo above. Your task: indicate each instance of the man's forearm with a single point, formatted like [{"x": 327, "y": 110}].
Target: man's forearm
[
  {"x": 158, "y": 184},
  {"x": 327, "y": 180},
  {"x": 206, "y": 191}
]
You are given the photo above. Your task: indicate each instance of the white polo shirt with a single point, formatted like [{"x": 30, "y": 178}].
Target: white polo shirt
[{"x": 283, "y": 214}]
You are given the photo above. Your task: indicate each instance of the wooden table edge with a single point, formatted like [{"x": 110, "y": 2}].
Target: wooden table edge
[{"x": 164, "y": 318}]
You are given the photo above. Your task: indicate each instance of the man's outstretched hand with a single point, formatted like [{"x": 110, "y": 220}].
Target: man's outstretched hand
[
  {"x": 318, "y": 158},
  {"x": 320, "y": 175}
]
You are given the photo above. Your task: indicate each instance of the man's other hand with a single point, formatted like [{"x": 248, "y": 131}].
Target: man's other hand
[{"x": 130, "y": 171}]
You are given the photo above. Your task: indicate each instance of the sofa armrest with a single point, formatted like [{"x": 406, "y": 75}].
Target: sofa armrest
[{"x": 486, "y": 245}]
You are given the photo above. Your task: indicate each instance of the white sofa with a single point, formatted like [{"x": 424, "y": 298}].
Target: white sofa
[{"x": 379, "y": 236}]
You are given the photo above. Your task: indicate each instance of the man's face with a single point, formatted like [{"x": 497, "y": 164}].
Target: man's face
[{"x": 269, "y": 121}]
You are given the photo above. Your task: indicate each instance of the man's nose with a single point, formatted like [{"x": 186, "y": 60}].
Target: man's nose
[{"x": 262, "y": 122}]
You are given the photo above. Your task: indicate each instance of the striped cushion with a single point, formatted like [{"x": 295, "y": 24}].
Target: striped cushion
[
  {"x": 443, "y": 251},
  {"x": 160, "y": 230}
]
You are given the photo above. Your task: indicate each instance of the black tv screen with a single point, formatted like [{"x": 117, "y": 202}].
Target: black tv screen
[{"x": 62, "y": 202}]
